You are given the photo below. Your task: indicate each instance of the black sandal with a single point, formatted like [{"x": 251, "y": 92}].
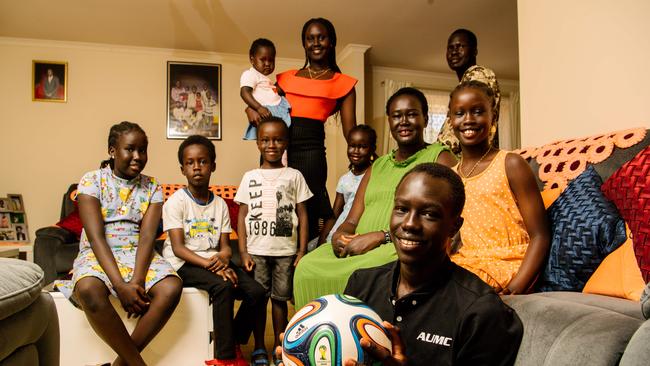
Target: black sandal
[{"x": 260, "y": 361}]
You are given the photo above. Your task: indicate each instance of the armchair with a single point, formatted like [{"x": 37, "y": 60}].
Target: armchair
[{"x": 55, "y": 248}]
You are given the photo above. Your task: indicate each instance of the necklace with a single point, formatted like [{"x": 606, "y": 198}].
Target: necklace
[
  {"x": 460, "y": 165},
  {"x": 272, "y": 178},
  {"x": 316, "y": 74}
]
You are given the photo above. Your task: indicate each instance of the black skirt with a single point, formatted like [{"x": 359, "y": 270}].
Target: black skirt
[{"x": 307, "y": 154}]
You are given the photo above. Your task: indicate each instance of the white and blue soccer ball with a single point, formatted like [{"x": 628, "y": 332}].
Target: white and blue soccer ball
[{"x": 327, "y": 331}]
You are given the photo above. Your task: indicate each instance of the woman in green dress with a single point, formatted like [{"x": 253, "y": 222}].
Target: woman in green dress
[{"x": 358, "y": 241}]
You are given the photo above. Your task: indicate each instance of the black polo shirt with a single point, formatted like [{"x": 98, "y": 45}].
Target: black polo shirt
[{"x": 455, "y": 319}]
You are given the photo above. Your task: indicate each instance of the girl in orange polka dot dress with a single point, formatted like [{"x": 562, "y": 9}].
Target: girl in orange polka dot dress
[{"x": 504, "y": 239}]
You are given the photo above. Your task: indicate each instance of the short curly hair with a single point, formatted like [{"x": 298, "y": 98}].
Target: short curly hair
[{"x": 197, "y": 140}]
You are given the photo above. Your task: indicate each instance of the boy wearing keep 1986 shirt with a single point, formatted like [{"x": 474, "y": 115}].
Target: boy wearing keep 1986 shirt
[{"x": 271, "y": 209}]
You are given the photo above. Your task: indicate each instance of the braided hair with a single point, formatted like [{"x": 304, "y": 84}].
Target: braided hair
[
  {"x": 114, "y": 134},
  {"x": 481, "y": 87}
]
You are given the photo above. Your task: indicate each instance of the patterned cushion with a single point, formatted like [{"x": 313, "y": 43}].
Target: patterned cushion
[
  {"x": 221, "y": 191},
  {"x": 585, "y": 227},
  {"x": 629, "y": 189}
]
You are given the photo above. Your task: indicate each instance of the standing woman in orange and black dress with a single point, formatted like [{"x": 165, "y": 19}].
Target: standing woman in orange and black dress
[{"x": 315, "y": 92}]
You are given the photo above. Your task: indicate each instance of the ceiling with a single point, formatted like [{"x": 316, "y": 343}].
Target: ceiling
[{"x": 408, "y": 34}]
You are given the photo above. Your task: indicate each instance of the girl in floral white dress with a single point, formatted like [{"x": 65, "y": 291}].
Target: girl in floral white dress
[{"x": 120, "y": 209}]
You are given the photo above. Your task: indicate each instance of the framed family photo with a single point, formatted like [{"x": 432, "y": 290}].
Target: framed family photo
[
  {"x": 49, "y": 81},
  {"x": 193, "y": 100}
]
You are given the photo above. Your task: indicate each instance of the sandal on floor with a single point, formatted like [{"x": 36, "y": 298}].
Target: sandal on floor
[
  {"x": 277, "y": 361},
  {"x": 259, "y": 361}
]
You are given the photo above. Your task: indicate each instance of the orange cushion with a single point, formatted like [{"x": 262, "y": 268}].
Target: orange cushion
[
  {"x": 550, "y": 195},
  {"x": 618, "y": 275}
]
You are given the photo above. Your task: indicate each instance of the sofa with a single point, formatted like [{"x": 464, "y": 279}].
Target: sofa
[
  {"x": 576, "y": 328},
  {"x": 56, "y": 247},
  {"x": 29, "y": 326},
  {"x": 560, "y": 327}
]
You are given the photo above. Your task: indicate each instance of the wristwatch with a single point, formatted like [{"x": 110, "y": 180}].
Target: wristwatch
[{"x": 386, "y": 237}]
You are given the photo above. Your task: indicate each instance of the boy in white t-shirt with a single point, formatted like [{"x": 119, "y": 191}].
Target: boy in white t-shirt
[
  {"x": 257, "y": 90},
  {"x": 197, "y": 246},
  {"x": 271, "y": 209}
]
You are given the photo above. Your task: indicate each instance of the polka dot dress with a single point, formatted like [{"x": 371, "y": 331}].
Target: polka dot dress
[{"x": 494, "y": 235}]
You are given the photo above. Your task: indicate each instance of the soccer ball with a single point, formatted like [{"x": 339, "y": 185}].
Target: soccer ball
[{"x": 327, "y": 331}]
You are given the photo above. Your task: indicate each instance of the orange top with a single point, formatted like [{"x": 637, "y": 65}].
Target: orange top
[
  {"x": 494, "y": 235},
  {"x": 311, "y": 98}
]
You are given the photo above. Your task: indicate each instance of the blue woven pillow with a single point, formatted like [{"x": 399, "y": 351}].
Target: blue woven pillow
[{"x": 585, "y": 227}]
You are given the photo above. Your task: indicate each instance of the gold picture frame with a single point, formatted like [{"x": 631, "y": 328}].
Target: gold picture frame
[
  {"x": 197, "y": 115},
  {"x": 49, "y": 81}
]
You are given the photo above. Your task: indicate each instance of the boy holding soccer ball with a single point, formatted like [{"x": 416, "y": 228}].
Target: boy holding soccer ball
[
  {"x": 438, "y": 313},
  {"x": 445, "y": 314}
]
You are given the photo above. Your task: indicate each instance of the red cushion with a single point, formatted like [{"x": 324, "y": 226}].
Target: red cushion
[
  {"x": 72, "y": 222},
  {"x": 629, "y": 189},
  {"x": 233, "y": 212}
]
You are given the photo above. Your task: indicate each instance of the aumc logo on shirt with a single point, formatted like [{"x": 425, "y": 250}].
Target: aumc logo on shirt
[{"x": 435, "y": 339}]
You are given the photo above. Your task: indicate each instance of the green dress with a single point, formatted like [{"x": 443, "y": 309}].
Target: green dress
[{"x": 320, "y": 273}]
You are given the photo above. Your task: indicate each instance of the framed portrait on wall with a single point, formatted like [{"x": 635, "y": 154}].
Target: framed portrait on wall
[
  {"x": 49, "y": 81},
  {"x": 193, "y": 100}
]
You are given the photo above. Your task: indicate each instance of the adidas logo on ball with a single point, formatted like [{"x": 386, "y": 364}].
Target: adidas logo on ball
[{"x": 327, "y": 331}]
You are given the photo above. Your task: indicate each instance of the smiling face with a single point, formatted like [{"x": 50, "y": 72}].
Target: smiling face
[
  {"x": 406, "y": 120},
  {"x": 460, "y": 52},
  {"x": 317, "y": 43},
  {"x": 471, "y": 116},
  {"x": 130, "y": 153},
  {"x": 422, "y": 222},
  {"x": 359, "y": 149},
  {"x": 264, "y": 60},
  {"x": 272, "y": 141},
  {"x": 197, "y": 166}
]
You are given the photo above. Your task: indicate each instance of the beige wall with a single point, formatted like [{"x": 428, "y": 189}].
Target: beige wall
[
  {"x": 583, "y": 67},
  {"x": 47, "y": 146}
]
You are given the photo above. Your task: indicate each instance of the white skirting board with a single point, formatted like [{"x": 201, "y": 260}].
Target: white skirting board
[{"x": 185, "y": 339}]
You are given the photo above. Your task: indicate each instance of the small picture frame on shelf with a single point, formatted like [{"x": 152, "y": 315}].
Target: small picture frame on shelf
[
  {"x": 7, "y": 235},
  {"x": 16, "y": 202},
  {"x": 13, "y": 221},
  {"x": 21, "y": 232},
  {"x": 17, "y": 217},
  {"x": 5, "y": 205},
  {"x": 5, "y": 220}
]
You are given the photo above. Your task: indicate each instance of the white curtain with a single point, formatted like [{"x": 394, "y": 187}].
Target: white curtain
[
  {"x": 438, "y": 101},
  {"x": 509, "y": 124},
  {"x": 390, "y": 87}
]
